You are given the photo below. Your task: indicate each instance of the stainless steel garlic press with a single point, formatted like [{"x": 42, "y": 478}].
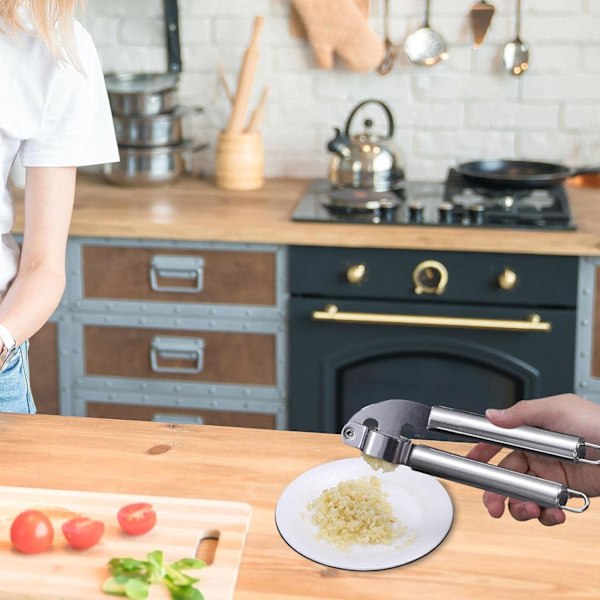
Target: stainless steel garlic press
[{"x": 384, "y": 430}]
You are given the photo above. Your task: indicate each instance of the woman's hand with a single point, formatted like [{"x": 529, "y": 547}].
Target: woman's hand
[{"x": 566, "y": 413}]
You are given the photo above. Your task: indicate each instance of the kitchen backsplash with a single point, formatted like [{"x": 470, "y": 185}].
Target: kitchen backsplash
[{"x": 465, "y": 108}]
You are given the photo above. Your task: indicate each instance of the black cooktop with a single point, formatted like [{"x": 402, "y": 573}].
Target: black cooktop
[{"x": 453, "y": 203}]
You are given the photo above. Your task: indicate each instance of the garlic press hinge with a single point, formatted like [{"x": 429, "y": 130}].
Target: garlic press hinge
[{"x": 372, "y": 442}]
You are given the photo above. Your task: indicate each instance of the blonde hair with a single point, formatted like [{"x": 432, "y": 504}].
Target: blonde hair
[{"x": 53, "y": 22}]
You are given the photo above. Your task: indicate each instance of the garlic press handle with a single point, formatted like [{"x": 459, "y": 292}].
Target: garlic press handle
[
  {"x": 526, "y": 438},
  {"x": 495, "y": 479}
]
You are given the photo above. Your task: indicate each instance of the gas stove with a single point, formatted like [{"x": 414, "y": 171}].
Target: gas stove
[{"x": 453, "y": 203}]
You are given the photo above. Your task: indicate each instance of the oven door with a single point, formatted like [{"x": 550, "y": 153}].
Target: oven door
[{"x": 336, "y": 368}]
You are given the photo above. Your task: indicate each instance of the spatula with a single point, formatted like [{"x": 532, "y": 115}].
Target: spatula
[{"x": 481, "y": 16}]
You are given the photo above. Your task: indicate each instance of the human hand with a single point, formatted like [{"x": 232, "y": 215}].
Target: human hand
[{"x": 566, "y": 413}]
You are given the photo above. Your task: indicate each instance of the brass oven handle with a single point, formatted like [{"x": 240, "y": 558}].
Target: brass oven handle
[{"x": 331, "y": 313}]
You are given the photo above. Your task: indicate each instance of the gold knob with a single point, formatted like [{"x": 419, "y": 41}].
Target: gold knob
[
  {"x": 430, "y": 277},
  {"x": 507, "y": 279},
  {"x": 355, "y": 274}
]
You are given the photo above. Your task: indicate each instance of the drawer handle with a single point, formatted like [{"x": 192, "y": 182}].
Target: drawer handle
[
  {"x": 176, "y": 348},
  {"x": 188, "y": 268},
  {"x": 532, "y": 323},
  {"x": 177, "y": 419}
]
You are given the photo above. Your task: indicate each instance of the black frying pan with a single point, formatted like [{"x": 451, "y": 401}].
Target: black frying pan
[{"x": 519, "y": 173}]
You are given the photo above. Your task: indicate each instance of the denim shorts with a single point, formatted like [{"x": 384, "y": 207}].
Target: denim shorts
[{"x": 15, "y": 390}]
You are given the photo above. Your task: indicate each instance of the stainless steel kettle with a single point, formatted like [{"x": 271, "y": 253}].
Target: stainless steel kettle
[{"x": 365, "y": 160}]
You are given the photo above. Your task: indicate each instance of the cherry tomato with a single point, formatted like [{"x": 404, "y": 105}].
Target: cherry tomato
[
  {"x": 137, "y": 518},
  {"x": 82, "y": 532},
  {"x": 31, "y": 532}
]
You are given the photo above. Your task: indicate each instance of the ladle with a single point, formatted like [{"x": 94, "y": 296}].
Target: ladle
[
  {"x": 425, "y": 46},
  {"x": 391, "y": 50},
  {"x": 516, "y": 53}
]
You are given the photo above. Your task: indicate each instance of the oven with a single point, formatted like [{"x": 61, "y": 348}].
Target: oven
[{"x": 465, "y": 330}]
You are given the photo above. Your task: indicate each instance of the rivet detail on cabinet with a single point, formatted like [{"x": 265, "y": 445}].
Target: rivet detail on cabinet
[
  {"x": 355, "y": 274},
  {"x": 507, "y": 279},
  {"x": 430, "y": 277}
]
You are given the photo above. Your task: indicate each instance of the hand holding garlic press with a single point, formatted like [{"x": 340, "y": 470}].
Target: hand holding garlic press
[{"x": 384, "y": 430}]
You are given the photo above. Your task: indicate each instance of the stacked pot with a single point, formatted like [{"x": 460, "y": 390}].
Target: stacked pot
[{"x": 150, "y": 129}]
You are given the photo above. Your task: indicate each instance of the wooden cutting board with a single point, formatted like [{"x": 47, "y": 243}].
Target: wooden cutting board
[{"x": 67, "y": 574}]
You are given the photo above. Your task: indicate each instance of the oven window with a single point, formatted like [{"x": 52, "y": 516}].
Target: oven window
[{"x": 429, "y": 378}]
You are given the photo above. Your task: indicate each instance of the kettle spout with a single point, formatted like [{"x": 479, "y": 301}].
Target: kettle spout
[{"x": 340, "y": 145}]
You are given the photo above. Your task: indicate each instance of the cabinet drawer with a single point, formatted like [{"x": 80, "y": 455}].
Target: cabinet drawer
[
  {"x": 169, "y": 414},
  {"x": 202, "y": 356},
  {"x": 179, "y": 275}
]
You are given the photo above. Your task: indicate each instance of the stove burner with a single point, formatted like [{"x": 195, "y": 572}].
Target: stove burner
[
  {"x": 510, "y": 206},
  {"x": 364, "y": 206},
  {"x": 360, "y": 200},
  {"x": 454, "y": 203}
]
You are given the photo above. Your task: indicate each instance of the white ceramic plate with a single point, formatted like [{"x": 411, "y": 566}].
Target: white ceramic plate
[{"x": 419, "y": 501}]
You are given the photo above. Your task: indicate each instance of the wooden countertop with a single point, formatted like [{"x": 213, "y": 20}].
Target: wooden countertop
[
  {"x": 194, "y": 209},
  {"x": 481, "y": 557}
]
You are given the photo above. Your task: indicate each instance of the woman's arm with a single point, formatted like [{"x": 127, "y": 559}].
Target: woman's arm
[{"x": 40, "y": 280}]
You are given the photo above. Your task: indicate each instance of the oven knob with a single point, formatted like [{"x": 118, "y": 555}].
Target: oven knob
[
  {"x": 430, "y": 277},
  {"x": 446, "y": 211},
  {"x": 507, "y": 279},
  {"x": 477, "y": 214},
  {"x": 415, "y": 212},
  {"x": 355, "y": 274}
]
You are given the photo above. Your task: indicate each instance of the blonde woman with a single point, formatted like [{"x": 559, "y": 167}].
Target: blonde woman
[{"x": 54, "y": 117}]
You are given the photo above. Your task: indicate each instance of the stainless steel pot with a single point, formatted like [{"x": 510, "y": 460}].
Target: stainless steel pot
[
  {"x": 150, "y": 166},
  {"x": 141, "y": 94},
  {"x": 153, "y": 130},
  {"x": 149, "y": 93}
]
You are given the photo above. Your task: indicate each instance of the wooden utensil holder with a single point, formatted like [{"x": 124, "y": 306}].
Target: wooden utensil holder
[{"x": 240, "y": 162}]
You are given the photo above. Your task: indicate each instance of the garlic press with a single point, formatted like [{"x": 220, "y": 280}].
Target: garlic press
[{"x": 384, "y": 430}]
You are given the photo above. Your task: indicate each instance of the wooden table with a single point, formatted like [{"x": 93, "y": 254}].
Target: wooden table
[{"x": 481, "y": 557}]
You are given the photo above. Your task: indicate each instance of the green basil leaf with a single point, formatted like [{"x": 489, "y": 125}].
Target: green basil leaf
[
  {"x": 136, "y": 589},
  {"x": 188, "y": 563},
  {"x": 114, "y": 587},
  {"x": 156, "y": 562},
  {"x": 178, "y": 578},
  {"x": 127, "y": 566},
  {"x": 185, "y": 593},
  {"x": 156, "y": 558}
]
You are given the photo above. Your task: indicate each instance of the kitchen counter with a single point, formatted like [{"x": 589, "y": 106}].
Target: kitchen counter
[
  {"x": 480, "y": 558},
  {"x": 194, "y": 209}
]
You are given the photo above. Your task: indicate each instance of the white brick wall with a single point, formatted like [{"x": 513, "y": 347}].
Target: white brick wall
[{"x": 464, "y": 109}]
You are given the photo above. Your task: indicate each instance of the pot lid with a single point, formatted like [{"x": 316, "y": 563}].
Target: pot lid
[{"x": 140, "y": 83}]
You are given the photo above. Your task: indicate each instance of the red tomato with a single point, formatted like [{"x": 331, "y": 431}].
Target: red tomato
[
  {"x": 82, "y": 532},
  {"x": 31, "y": 532},
  {"x": 137, "y": 518}
]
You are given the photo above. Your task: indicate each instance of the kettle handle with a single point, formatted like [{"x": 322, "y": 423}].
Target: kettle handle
[{"x": 386, "y": 109}]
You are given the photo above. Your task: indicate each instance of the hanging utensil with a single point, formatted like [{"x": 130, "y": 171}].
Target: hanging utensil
[
  {"x": 516, "y": 53},
  {"x": 391, "y": 50},
  {"x": 425, "y": 46},
  {"x": 481, "y": 17}
]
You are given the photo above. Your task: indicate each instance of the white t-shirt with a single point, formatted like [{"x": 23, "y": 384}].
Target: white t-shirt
[{"x": 51, "y": 115}]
